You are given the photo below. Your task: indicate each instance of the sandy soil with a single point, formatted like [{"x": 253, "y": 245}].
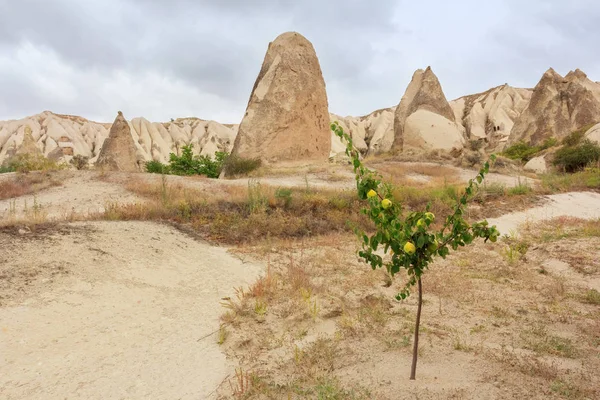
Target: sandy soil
[
  {"x": 113, "y": 310},
  {"x": 131, "y": 309},
  {"x": 576, "y": 204},
  {"x": 81, "y": 193}
]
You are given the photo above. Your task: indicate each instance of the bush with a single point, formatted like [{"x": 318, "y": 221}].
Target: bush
[
  {"x": 80, "y": 162},
  {"x": 156, "y": 167},
  {"x": 576, "y": 158},
  {"x": 188, "y": 164},
  {"x": 525, "y": 152},
  {"x": 32, "y": 162},
  {"x": 6, "y": 168},
  {"x": 235, "y": 165}
]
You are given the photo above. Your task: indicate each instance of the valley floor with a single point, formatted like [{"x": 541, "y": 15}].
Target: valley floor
[{"x": 96, "y": 307}]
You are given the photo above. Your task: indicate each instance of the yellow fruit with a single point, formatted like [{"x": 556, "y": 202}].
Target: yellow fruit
[
  {"x": 430, "y": 216},
  {"x": 493, "y": 239},
  {"x": 421, "y": 223},
  {"x": 371, "y": 193},
  {"x": 409, "y": 248},
  {"x": 386, "y": 203}
]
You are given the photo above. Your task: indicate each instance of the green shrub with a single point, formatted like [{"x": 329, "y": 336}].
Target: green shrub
[
  {"x": 576, "y": 158},
  {"x": 236, "y": 165},
  {"x": 285, "y": 195},
  {"x": 188, "y": 164},
  {"x": 6, "y": 168},
  {"x": 521, "y": 151},
  {"x": 525, "y": 152},
  {"x": 156, "y": 167},
  {"x": 80, "y": 162}
]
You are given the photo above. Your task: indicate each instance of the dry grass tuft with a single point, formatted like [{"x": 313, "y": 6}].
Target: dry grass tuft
[{"x": 23, "y": 184}]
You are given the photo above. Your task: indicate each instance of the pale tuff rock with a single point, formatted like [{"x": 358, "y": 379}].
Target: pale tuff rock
[
  {"x": 558, "y": 106},
  {"x": 490, "y": 116},
  {"x": 537, "y": 164},
  {"x": 593, "y": 134},
  {"x": 372, "y": 133},
  {"x": 61, "y": 136},
  {"x": 287, "y": 117},
  {"x": 424, "y": 119},
  {"x": 119, "y": 152}
]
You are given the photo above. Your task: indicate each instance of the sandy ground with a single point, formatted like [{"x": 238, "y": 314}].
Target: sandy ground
[
  {"x": 81, "y": 193},
  {"x": 113, "y": 310},
  {"x": 131, "y": 321},
  {"x": 584, "y": 205}
]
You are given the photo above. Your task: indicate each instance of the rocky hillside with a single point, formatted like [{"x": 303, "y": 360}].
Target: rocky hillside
[
  {"x": 62, "y": 136},
  {"x": 558, "y": 106},
  {"x": 424, "y": 119},
  {"x": 490, "y": 116}
]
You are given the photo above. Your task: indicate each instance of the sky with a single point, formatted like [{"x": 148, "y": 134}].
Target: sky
[{"x": 164, "y": 59}]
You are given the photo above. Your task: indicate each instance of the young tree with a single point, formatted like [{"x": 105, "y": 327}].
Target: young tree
[{"x": 409, "y": 237}]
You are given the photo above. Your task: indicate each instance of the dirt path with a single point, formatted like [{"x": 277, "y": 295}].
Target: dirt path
[
  {"x": 81, "y": 193},
  {"x": 584, "y": 205},
  {"x": 109, "y": 310}
]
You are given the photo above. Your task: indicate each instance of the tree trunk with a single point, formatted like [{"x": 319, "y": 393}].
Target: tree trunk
[{"x": 413, "y": 369}]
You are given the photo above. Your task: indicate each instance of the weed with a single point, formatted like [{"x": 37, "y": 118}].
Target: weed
[
  {"x": 239, "y": 166},
  {"x": 223, "y": 334},
  {"x": 592, "y": 296}
]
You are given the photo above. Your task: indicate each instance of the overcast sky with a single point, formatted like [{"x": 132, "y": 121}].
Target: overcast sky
[{"x": 174, "y": 58}]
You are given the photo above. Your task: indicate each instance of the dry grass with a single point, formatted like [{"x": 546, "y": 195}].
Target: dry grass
[
  {"x": 503, "y": 315},
  {"x": 23, "y": 184}
]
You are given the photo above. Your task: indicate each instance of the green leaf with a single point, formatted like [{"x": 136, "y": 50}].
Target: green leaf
[{"x": 420, "y": 241}]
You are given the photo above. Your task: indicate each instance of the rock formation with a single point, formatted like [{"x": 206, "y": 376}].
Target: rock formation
[
  {"x": 372, "y": 133},
  {"x": 287, "y": 116},
  {"x": 424, "y": 119},
  {"x": 62, "y": 136},
  {"x": 118, "y": 152},
  {"x": 593, "y": 134},
  {"x": 558, "y": 106},
  {"x": 490, "y": 116}
]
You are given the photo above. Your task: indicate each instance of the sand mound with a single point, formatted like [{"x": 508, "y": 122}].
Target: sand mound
[{"x": 114, "y": 310}]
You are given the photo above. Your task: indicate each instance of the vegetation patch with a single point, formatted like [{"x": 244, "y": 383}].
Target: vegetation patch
[{"x": 189, "y": 164}]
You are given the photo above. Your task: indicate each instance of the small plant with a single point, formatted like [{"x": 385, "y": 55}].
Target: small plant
[
  {"x": 410, "y": 238},
  {"x": 242, "y": 383},
  {"x": 239, "y": 166},
  {"x": 285, "y": 195},
  {"x": 592, "y": 296},
  {"x": 188, "y": 164},
  {"x": 257, "y": 201},
  {"x": 80, "y": 161},
  {"x": 576, "y": 158},
  {"x": 32, "y": 162},
  {"x": 260, "y": 307},
  {"x": 525, "y": 152},
  {"x": 521, "y": 188},
  {"x": 156, "y": 167},
  {"x": 6, "y": 168},
  {"x": 223, "y": 334}
]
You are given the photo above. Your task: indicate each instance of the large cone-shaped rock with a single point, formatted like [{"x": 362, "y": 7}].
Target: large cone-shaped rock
[
  {"x": 558, "y": 107},
  {"x": 287, "y": 117},
  {"x": 119, "y": 152},
  {"x": 424, "y": 119}
]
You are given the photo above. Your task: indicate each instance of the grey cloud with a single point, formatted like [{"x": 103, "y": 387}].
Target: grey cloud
[{"x": 214, "y": 49}]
